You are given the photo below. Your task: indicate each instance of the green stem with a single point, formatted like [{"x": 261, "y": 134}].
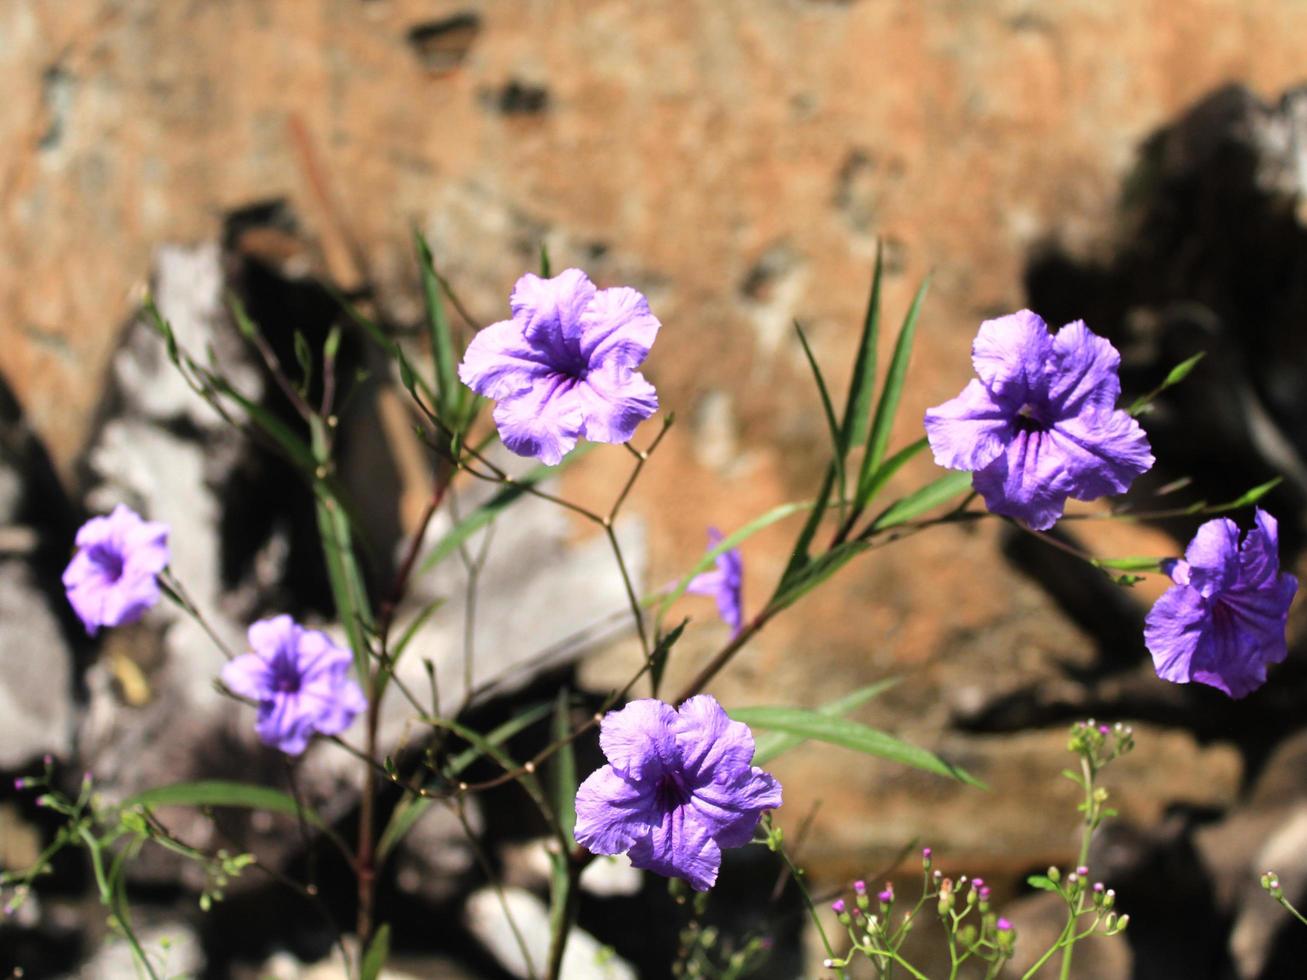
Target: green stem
[
  {"x": 1086, "y": 835},
  {"x": 797, "y": 875}
]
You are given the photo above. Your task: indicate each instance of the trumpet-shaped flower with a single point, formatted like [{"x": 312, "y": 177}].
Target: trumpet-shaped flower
[
  {"x": 113, "y": 578},
  {"x": 1223, "y": 621},
  {"x": 1040, "y": 423},
  {"x": 300, "y": 681},
  {"x": 679, "y": 787},
  {"x": 724, "y": 582},
  {"x": 564, "y": 367}
]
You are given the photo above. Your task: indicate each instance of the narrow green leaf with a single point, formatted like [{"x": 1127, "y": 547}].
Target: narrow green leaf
[
  {"x": 1247, "y": 499},
  {"x": 661, "y": 651},
  {"x": 800, "y": 555},
  {"x": 771, "y": 744},
  {"x": 1130, "y": 563},
  {"x": 932, "y": 495},
  {"x": 562, "y": 770},
  {"x": 871, "y": 482},
  {"x": 496, "y": 505},
  {"x": 274, "y": 428},
  {"x": 247, "y": 327},
  {"x": 892, "y": 390},
  {"x": 732, "y": 540},
  {"x": 397, "y": 651},
  {"x": 544, "y": 261},
  {"x": 303, "y": 357},
  {"x": 862, "y": 386},
  {"x": 850, "y": 735},
  {"x": 219, "y": 792},
  {"x": 795, "y": 586},
  {"x": 442, "y": 341},
  {"x": 1174, "y": 377},
  {"x": 374, "y": 960},
  {"x": 411, "y": 808},
  {"x": 377, "y": 335},
  {"x": 833, "y": 427},
  {"x": 1042, "y": 882}
]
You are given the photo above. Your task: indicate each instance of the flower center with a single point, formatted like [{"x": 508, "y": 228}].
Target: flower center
[
  {"x": 671, "y": 792},
  {"x": 108, "y": 560},
  {"x": 285, "y": 677},
  {"x": 1030, "y": 419}
]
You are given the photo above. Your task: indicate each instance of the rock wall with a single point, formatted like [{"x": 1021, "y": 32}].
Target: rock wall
[{"x": 736, "y": 160}]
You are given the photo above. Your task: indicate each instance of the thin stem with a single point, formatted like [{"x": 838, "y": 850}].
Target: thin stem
[
  {"x": 173, "y": 589},
  {"x": 797, "y": 875},
  {"x": 479, "y": 854}
]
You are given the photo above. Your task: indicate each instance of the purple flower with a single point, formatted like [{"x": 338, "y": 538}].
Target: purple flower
[
  {"x": 113, "y": 577},
  {"x": 1041, "y": 423},
  {"x": 724, "y": 583},
  {"x": 565, "y": 365},
  {"x": 300, "y": 681},
  {"x": 1223, "y": 621},
  {"x": 679, "y": 787}
]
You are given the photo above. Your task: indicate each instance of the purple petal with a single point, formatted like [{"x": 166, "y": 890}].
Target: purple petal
[
  {"x": 1172, "y": 631},
  {"x": 247, "y": 676},
  {"x": 724, "y": 583},
  {"x": 500, "y": 362},
  {"x": 637, "y": 740},
  {"x": 1010, "y": 353},
  {"x": 735, "y": 806},
  {"x": 550, "y": 310},
  {"x": 283, "y": 725},
  {"x": 970, "y": 431},
  {"x": 1085, "y": 372},
  {"x": 614, "y": 400},
  {"x": 680, "y": 846},
  {"x": 1027, "y": 481},
  {"x": 1259, "y": 556},
  {"x": 1213, "y": 556},
  {"x": 330, "y": 704},
  {"x": 617, "y": 328},
  {"x": 543, "y": 422},
  {"x": 1102, "y": 453},
  {"x": 712, "y": 746},
  {"x": 269, "y": 636},
  {"x": 146, "y": 547},
  {"x": 612, "y": 812}
]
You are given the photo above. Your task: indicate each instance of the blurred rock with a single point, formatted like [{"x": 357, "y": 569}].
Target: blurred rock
[
  {"x": 489, "y": 920},
  {"x": 172, "y": 946},
  {"x": 434, "y": 855}
]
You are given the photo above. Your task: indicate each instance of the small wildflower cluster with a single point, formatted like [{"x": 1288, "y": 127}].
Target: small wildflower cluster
[{"x": 972, "y": 929}]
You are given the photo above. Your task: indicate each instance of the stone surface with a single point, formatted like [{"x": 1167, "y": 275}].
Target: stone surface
[{"x": 488, "y": 918}]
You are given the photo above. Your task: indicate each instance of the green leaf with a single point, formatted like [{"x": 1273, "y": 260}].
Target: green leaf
[
  {"x": 801, "y": 555},
  {"x": 772, "y": 744},
  {"x": 833, "y": 427},
  {"x": 932, "y": 495},
  {"x": 247, "y": 327},
  {"x": 271, "y": 426},
  {"x": 1130, "y": 563},
  {"x": 732, "y": 540},
  {"x": 862, "y": 386},
  {"x": 850, "y": 735},
  {"x": 304, "y": 357},
  {"x": 397, "y": 651},
  {"x": 448, "y": 387},
  {"x": 1042, "y": 882},
  {"x": 374, "y": 960},
  {"x": 493, "y": 507},
  {"x": 796, "y": 586},
  {"x": 1176, "y": 375},
  {"x": 562, "y": 770},
  {"x": 544, "y": 261},
  {"x": 892, "y": 391},
  {"x": 1248, "y": 499},
  {"x": 220, "y": 792},
  {"x": 661, "y": 651},
  {"x": 871, "y": 483},
  {"x": 410, "y": 810},
  {"x": 376, "y": 334}
]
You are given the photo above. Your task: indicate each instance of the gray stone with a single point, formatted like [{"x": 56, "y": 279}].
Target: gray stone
[
  {"x": 36, "y": 683},
  {"x": 488, "y": 918}
]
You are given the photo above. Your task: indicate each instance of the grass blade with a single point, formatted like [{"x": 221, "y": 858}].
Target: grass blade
[
  {"x": 862, "y": 386},
  {"x": 851, "y": 735},
  {"x": 892, "y": 390},
  {"x": 930, "y": 496},
  {"x": 448, "y": 395},
  {"x": 772, "y": 744},
  {"x": 832, "y": 426}
]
